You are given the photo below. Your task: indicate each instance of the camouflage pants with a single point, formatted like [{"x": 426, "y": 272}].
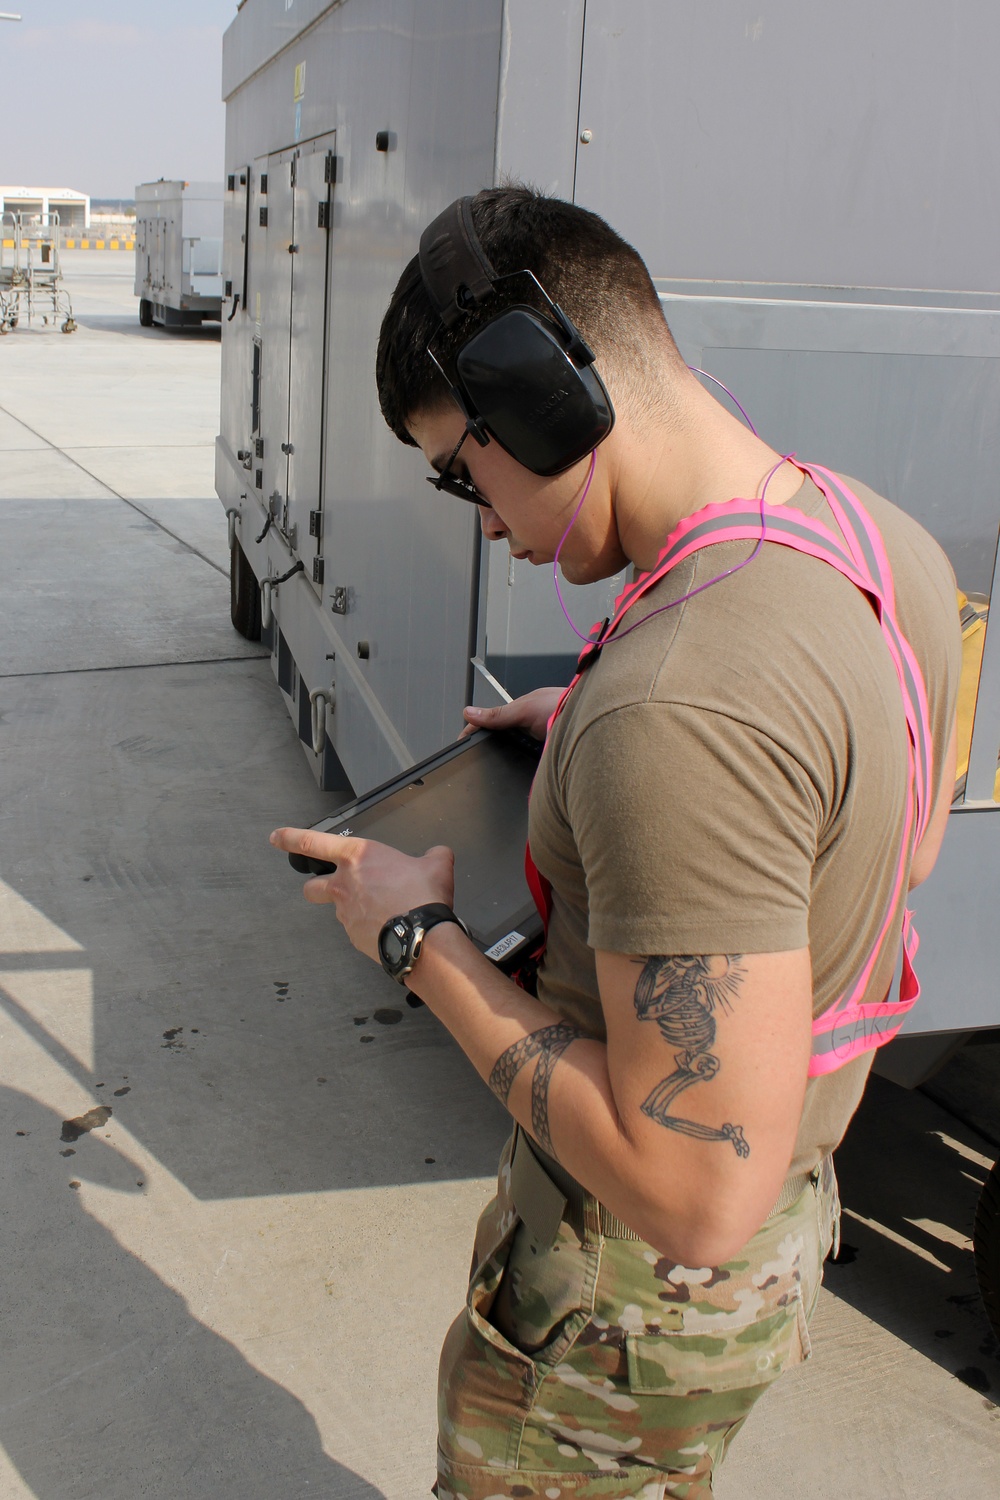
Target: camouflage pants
[{"x": 597, "y": 1368}]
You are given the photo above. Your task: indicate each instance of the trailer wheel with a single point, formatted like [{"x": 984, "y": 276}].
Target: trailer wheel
[
  {"x": 244, "y": 595},
  {"x": 145, "y": 313},
  {"x": 986, "y": 1240}
]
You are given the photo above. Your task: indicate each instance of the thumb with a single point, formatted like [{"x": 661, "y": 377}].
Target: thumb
[{"x": 488, "y": 718}]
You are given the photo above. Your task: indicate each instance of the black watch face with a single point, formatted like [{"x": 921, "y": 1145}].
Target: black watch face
[{"x": 394, "y": 944}]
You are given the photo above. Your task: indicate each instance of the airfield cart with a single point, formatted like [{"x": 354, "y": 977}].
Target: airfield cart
[
  {"x": 795, "y": 193},
  {"x": 31, "y": 281},
  {"x": 178, "y": 253}
]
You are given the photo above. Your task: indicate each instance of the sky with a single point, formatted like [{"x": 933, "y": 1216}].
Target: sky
[{"x": 98, "y": 95}]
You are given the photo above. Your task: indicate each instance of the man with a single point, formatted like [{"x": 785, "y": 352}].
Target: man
[{"x": 727, "y": 813}]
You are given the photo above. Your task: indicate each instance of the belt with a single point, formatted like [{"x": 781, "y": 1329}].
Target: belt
[{"x": 544, "y": 1194}]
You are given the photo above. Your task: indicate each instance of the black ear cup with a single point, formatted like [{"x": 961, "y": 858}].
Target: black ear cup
[
  {"x": 526, "y": 378},
  {"x": 517, "y": 374}
]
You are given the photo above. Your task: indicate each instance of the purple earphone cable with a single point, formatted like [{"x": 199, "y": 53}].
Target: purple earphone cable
[{"x": 620, "y": 636}]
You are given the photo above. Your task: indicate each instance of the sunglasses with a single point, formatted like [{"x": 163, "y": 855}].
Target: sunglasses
[{"x": 462, "y": 489}]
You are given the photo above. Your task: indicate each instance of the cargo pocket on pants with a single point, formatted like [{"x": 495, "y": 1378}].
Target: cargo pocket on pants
[
  {"x": 707, "y": 1363},
  {"x": 485, "y": 1384}
]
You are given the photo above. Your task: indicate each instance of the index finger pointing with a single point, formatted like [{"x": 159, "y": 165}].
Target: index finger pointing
[{"x": 328, "y": 849}]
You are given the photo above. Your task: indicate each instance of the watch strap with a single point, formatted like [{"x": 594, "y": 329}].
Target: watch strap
[{"x": 432, "y": 914}]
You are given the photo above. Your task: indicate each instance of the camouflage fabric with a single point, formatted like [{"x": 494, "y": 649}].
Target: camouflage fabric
[{"x": 599, "y": 1368}]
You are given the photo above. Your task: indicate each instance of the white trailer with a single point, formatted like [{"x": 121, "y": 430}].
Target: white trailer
[
  {"x": 806, "y": 187},
  {"x": 178, "y": 253}
]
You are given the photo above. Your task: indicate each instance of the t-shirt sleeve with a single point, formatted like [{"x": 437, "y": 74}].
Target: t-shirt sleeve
[{"x": 697, "y": 833}]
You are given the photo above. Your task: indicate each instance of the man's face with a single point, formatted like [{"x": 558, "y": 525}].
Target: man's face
[{"x": 528, "y": 511}]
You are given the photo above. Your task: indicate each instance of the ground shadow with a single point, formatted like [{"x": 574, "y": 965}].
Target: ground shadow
[
  {"x": 263, "y": 1054},
  {"x": 910, "y": 1182},
  {"x": 130, "y": 327},
  {"x": 113, "y": 1389}
]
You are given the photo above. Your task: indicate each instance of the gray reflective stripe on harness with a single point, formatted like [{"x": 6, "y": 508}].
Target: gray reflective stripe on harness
[{"x": 844, "y": 1038}]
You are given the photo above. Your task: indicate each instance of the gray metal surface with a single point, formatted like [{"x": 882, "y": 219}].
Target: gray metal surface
[
  {"x": 955, "y": 912},
  {"x": 412, "y": 601},
  {"x": 902, "y": 397},
  {"x": 980, "y": 786},
  {"x": 795, "y": 142}
]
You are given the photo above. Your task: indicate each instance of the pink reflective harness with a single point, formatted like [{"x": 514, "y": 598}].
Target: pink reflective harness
[{"x": 848, "y": 1027}]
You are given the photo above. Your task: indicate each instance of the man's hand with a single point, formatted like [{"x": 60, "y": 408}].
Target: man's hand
[
  {"x": 532, "y": 712},
  {"x": 372, "y": 882}
]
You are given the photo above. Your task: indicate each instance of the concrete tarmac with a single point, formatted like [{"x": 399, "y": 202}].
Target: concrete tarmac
[{"x": 239, "y": 1175}]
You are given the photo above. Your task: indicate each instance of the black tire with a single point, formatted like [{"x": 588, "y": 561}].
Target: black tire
[
  {"x": 244, "y": 595},
  {"x": 145, "y": 313},
  {"x": 986, "y": 1239}
]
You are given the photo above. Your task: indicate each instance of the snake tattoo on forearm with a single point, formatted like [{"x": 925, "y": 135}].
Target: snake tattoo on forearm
[
  {"x": 679, "y": 993},
  {"x": 548, "y": 1045}
]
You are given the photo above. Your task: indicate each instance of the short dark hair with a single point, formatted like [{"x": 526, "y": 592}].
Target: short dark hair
[{"x": 597, "y": 278}]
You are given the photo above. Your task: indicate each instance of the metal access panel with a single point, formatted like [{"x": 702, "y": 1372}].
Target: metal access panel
[{"x": 797, "y": 142}]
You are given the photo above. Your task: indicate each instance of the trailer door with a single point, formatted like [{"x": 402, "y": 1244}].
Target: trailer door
[
  {"x": 310, "y": 271},
  {"x": 297, "y": 219}
]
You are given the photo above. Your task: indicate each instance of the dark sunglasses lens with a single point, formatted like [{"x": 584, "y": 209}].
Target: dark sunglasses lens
[{"x": 457, "y": 487}]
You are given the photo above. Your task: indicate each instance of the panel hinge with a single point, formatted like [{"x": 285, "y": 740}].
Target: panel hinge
[
  {"x": 315, "y": 523},
  {"x": 293, "y": 174},
  {"x": 263, "y": 182},
  {"x": 318, "y": 570},
  {"x": 324, "y": 216},
  {"x": 259, "y": 447},
  {"x": 330, "y": 171},
  {"x": 263, "y": 216},
  {"x": 258, "y": 479},
  {"x": 231, "y": 182}
]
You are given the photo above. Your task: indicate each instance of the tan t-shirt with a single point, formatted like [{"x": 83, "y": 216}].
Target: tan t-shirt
[{"x": 731, "y": 778}]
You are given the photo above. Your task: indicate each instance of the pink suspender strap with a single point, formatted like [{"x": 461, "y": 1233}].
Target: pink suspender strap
[{"x": 848, "y": 1027}]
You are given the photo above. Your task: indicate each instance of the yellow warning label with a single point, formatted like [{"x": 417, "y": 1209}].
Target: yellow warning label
[{"x": 300, "y": 81}]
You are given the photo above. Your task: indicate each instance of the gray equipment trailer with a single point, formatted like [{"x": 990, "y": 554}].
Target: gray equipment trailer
[
  {"x": 178, "y": 253},
  {"x": 806, "y": 188}
]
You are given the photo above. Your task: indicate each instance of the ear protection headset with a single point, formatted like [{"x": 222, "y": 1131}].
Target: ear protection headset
[{"x": 525, "y": 378}]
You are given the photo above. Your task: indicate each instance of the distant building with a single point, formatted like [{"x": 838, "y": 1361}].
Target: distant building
[{"x": 72, "y": 207}]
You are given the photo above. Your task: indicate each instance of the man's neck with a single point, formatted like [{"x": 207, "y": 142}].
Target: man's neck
[{"x": 667, "y": 471}]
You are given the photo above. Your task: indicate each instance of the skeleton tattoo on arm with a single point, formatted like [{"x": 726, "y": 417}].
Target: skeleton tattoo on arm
[
  {"x": 548, "y": 1045},
  {"x": 681, "y": 994}
]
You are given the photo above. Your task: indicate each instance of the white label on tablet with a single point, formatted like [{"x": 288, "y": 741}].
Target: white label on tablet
[{"x": 504, "y": 945}]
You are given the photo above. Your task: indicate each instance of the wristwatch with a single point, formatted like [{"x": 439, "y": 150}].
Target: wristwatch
[{"x": 401, "y": 938}]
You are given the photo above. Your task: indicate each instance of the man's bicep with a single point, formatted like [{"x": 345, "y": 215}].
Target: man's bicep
[{"x": 711, "y": 1051}]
